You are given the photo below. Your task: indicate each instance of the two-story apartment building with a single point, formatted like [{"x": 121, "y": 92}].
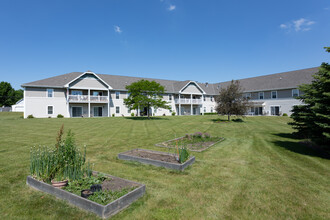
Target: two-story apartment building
[{"x": 87, "y": 94}]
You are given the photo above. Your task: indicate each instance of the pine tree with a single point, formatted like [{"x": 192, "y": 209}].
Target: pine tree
[{"x": 312, "y": 120}]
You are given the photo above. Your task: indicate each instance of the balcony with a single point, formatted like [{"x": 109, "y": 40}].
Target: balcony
[
  {"x": 189, "y": 101},
  {"x": 84, "y": 99}
]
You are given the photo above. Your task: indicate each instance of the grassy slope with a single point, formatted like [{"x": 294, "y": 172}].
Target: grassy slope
[{"x": 258, "y": 172}]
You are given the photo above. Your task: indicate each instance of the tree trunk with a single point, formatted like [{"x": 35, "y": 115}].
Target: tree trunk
[
  {"x": 228, "y": 117},
  {"x": 148, "y": 112}
]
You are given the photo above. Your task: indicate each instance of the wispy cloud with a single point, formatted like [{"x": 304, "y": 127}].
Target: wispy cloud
[
  {"x": 171, "y": 7},
  {"x": 301, "y": 24},
  {"x": 117, "y": 29}
]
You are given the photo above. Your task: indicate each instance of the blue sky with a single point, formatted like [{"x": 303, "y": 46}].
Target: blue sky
[{"x": 207, "y": 41}]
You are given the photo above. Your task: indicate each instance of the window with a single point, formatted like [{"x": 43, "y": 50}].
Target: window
[
  {"x": 211, "y": 97},
  {"x": 274, "y": 94},
  {"x": 128, "y": 110},
  {"x": 117, "y": 95},
  {"x": 50, "y": 93},
  {"x": 295, "y": 92},
  {"x": 170, "y": 97},
  {"x": 76, "y": 92},
  {"x": 155, "y": 110},
  {"x": 117, "y": 109},
  {"x": 128, "y": 94},
  {"x": 261, "y": 95},
  {"x": 211, "y": 109},
  {"x": 204, "y": 109},
  {"x": 96, "y": 93},
  {"x": 247, "y": 95},
  {"x": 204, "y": 98},
  {"x": 50, "y": 110}
]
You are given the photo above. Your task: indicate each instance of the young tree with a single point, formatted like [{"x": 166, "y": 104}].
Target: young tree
[
  {"x": 147, "y": 94},
  {"x": 312, "y": 120},
  {"x": 231, "y": 101}
]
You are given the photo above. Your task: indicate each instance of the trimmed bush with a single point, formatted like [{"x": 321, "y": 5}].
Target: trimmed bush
[
  {"x": 285, "y": 114},
  {"x": 113, "y": 115},
  {"x": 210, "y": 113},
  {"x": 132, "y": 114},
  {"x": 30, "y": 116},
  {"x": 173, "y": 113},
  {"x": 60, "y": 116}
]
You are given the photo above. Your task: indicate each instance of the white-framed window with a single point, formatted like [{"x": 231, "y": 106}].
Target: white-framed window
[
  {"x": 50, "y": 109},
  {"x": 117, "y": 94},
  {"x": 204, "y": 98},
  {"x": 76, "y": 92},
  {"x": 274, "y": 94},
  {"x": 211, "y": 109},
  {"x": 128, "y": 110},
  {"x": 211, "y": 97},
  {"x": 295, "y": 92},
  {"x": 155, "y": 110},
  {"x": 170, "y": 97},
  {"x": 261, "y": 95},
  {"x": 50, "y": 93},
  {"x": 204, "y": 109},
  {"x": 117, "y": 109}
]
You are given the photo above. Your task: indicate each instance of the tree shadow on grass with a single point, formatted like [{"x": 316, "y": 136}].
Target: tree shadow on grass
[
  {"x": 300, "y": 147},
  {"x": 287, "y": 135},
  {"x": 219, "y": 120},
  {"x": 146, "y": 118}
]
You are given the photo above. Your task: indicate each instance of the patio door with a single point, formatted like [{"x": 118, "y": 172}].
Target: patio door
[
  {"x": 76, "y": 111},
  {"x": 275, "y": 110},
  {"x": 97, "y": 111}
]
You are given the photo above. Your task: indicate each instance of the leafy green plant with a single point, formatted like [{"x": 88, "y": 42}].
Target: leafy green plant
[
  {"x": 183, "y": 154},
  {"x": 132, "y": 114},
  {"x": 285, "y": 114},
  {"x": 76, "y": 186},
  {"x": 107, "y": 196},
  {"x": 60, "y": 116},
  {"x": 113, "y": 115},
  {"x": 30, "y": 116},
  {"x": 173, "y": 113}
]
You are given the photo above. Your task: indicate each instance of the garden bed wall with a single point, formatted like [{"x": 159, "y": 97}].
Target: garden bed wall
[
  {"x": 170, "y": 165},
  {"x": 104, "y": 211}
]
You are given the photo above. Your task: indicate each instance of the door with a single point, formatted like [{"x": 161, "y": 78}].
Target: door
[
  {"x": 76, "y": 111},
  {"x": 194, "y": 111},
  {"x": 97, "y": 111},
  {"x": 275, "y": 110}
]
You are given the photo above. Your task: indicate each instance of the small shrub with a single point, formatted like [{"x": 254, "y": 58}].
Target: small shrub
[
  {"x": 164, "y": 114},
  {"x": 132, "y": 114},
  {"x": 30, "y": 116},
  {"x": 113, "y": 115},
  {"x": 206, "y": 135},
  {"x": 210, "y": 113},
  {"x": 173, "y": 113},
  {"x": 60, "y": 116},
  {"x": 198, "y": 134},
  {"x": 183, "y": 154},
  {"x": 285, "y": 114}
]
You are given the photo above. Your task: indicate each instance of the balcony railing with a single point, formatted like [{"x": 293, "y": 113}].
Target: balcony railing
[
  {"x": 188, "y": 101},
  {"x": 84, "y": 98}
]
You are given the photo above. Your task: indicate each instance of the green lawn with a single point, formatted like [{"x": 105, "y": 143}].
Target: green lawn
[{"x": 258, "y": 172}]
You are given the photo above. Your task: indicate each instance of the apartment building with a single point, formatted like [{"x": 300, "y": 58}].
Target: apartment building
[{"x": 89, "y": 94}]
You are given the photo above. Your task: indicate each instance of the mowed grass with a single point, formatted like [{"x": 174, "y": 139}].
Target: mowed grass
[{"x": 258, "y": 172}]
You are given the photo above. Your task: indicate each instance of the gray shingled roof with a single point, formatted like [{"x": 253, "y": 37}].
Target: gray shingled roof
[
  {"x": 261, "y": 83},
  {"x": 285, "y": 80}
]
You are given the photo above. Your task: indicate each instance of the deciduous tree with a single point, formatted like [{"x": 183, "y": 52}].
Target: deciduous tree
[
  {"x": 231, "y": 101},
  {"x": 147, "y": 94}
]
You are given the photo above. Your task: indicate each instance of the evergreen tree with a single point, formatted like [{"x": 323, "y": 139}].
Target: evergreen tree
[{"x": 312, "y": 120}]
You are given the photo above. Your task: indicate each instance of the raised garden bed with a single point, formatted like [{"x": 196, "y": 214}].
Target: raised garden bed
[
  {"x": 156, "y": 158},
  {"x": 132, "y": 190},
  {"x": 197, "y": 142}
]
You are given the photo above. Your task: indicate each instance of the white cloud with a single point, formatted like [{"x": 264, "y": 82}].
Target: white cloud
[
  {"x": 301, "y": 24},
  {"x": 117, "y": 29},
  {"x": 171, "y": 7}
]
